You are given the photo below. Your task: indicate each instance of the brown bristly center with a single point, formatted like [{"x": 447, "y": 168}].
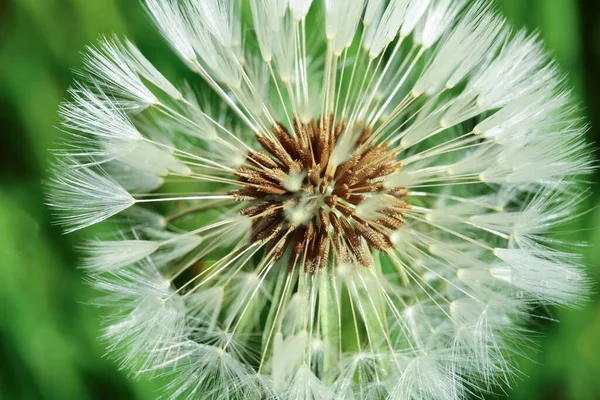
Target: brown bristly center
[{"x": 326, "y": 195}]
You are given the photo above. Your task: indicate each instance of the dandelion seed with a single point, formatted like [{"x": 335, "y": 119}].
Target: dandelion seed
[{"x": 367, "y": 212}]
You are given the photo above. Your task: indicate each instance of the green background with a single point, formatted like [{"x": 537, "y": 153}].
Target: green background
[{"x": 48, "y": 334}]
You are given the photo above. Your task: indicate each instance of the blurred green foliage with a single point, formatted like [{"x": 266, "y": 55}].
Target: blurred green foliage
[{"x": 48, "y": 334}]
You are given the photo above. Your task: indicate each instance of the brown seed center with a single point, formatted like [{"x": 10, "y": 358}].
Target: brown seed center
[{"x": 321, "y": 209}]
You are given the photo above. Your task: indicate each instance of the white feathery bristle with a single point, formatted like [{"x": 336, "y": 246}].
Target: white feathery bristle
[
  {"x": 531, "y": 112},
  {"x": 373, "y": 13},
  {"x": 170, "y": 21},
  {"x": 239, "y": 230},
  {"x": 488, "y": 31},
  {"x": 454, "y": 214},
  {"x": 107, "y": 133},
  {"x": 429, "y": 377},
  {"x": 414, "y": 13},
  {"x": 541, "y": 277},
  {"x": 548, "y": 209},
  {"x": 107, "y": 256},
  {"x": 172, "y": 245},
  {"x": 132, "y": 179},
  {"x": 204, "y": 371},
  {"x": 287, "y": 358},
  {"x": 147, "y": 70},
  {"x": 299, "y": 8},
  {"x": 147, "y": 157},
  {"x": 342, "y": 18},
  {"x": 268, "y": 24},
  {"x": 412, "y": 177},
  {"x": 462, "y": 50},
  {"x": 139, "y": 217},
  {"x": 212, "y": 27},
  {"x": 97, "y": 116},
  {"x": 205, "y": 306},
  {"x": 540, "y": 159},
  {"x": 372, "y": 9},
  {"x": 475, "y": 162},
  {"x": 521, "y": 66},
  {"x": 150, "y": 323},
  {"x": 306, "y": 385},
  {"x": 110, "y": 67},
  {"x": 199, "y": 125},
  {"x": 83, "y": 197},
  {"x": 483, "y": 331},
  {"x": 389, "y": 26},
  {"x": 255, "y": 94},
  {"x": 436, "y": 21},
  {"x": 346, "y": 144},
  {"x": 283, "y": 50}
]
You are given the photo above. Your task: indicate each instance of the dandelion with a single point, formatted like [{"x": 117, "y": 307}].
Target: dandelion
[{"x": 363, "y": 207}]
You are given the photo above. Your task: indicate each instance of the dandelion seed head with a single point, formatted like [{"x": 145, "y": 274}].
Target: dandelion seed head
[{"x": 364, "y": 206}]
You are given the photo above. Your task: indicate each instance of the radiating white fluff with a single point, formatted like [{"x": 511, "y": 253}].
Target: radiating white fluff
[
  {"x": 205, "y": 306},
  {"x": 521, "y": 66},
  {"x": 173, "y": 245},
  {"x": 132, "y": 179},
  {"x": 528, "y": 114},
  {"x": 147, "y": 70},
  {"x": 346, "y": 144},
  {"x": 355, "y": 370},
  {"x": 306, "y": 385},
  {"x": 147, "y": 156},
  {"x": 413, "y": 177},
  {"x": 293, "y": 182},
  {"x": 299, "y": 8},
  {"x": 287, "y": 359},
  {"x": 199, "y": 124},
  {"x": 414, "y": 13},
  {"x": 170, "y": 21},
  {"x": 372, "y": 9},
  {"x": 426, "y": 127},
  {"x": 540, "y": 159},
  {"x": 476, "y": 161},
  {"x": 342, "y": 18},
  {"x": 256, "y": 92},
  {"x": 454, "y": 214},
  {"x": 107, "y": 133},
  {"x": 389, "y": 25},
  {"x": 268, "y": 23},
  {"x": 484, "y": 331},
  {"x": 545, "y": 211},
  {"x": 150, "y": 320},
  {"x": 541, "y": 277},
  {"x": 212, "y": 27},
  {"x": 462, "y": 50},
  {"x": 118, "y": 67},
  {"x": 371, "y": 208},
  {"x": 373, "y": 13},
  {"x": 96, "y": 116},
  {"x": 107, "y": 256},
  {"x": 140, "y": 217},
  {"x": 203, "y": 371},
  {"x": 487, "y": 27},
  {"x": 429, "y": 377},
  {"x": 219, "y": 18},
  {"x": 284, "y": 50},
  {"x": 84, "y": 197},
  {"x": 436, "y": 20}
]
